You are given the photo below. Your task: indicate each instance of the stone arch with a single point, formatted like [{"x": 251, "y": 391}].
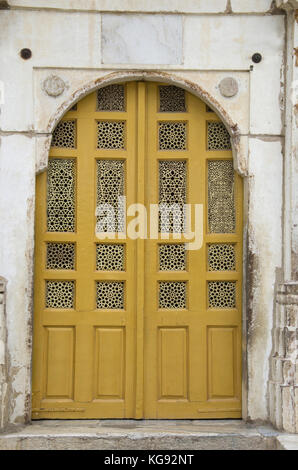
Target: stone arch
[{"x": 239, "y": 147}]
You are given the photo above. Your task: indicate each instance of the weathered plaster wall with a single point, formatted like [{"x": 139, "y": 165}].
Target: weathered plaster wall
[
  {"x": 195, "y": 45},
  {"x": 265, "y": 259},
  {"x": 283, "y": 384},
  {"x": 17, "y": 183}
]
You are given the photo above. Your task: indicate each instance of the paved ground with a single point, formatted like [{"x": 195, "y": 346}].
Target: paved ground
[{"x": 145, "y": 434}]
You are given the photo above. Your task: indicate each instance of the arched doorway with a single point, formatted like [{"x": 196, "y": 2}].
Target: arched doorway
[{"x": 143, "y": 327}]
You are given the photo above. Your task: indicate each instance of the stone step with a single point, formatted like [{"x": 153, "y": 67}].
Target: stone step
[{"x": 140, "y": 435}]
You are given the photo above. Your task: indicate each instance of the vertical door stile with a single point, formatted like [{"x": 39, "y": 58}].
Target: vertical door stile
[
  {"x": 85, "y": 263},
  {"x": 141, "y": 147},
  {"x": 38, "y": 338}
]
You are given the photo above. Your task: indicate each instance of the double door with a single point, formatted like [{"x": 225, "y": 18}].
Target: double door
[{"x": 133, "y": 319}]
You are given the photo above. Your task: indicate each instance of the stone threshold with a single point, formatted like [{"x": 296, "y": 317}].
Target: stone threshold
[{"x": 108, "y": 434}]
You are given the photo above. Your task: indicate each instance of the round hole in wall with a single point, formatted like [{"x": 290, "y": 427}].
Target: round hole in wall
[
  {"x": 256, "y": 58},
  {"x": 26, "y": 53}
]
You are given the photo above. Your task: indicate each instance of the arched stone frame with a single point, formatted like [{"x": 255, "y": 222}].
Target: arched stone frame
[
  {"x": 239, "y": 150},
  {"x": 239, "y": 141}
]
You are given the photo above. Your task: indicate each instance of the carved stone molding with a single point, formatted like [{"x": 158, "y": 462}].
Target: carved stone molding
[
  {"x": 228, "y": 87},
  {"x": 54, "y": 85},
  {"x": 283, "y": 385}
]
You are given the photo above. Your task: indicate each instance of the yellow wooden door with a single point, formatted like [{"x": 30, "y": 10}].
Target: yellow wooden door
[
  {"x": 192, "y": 297},
  {"x": 130, "y": 327}
]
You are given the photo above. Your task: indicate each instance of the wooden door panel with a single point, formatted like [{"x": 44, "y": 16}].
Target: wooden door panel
[
  {"x": 109, "y": 363},
  {"x": 193, "y": 302},
  {"x": 137, "y": 327},
  {"x": 173, "y": 363},
  {"x": 85, "y": 285},
  {"x": 221, "y": 362},
  {"x": 60, "y": 347}
]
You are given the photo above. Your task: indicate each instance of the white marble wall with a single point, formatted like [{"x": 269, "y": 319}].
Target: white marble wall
[
  {"x": 265, "y": 251},
  {"x": 142, "y": 39},
  {"x": 172, "y": 6},
  {"x": 194, "y": 46}
]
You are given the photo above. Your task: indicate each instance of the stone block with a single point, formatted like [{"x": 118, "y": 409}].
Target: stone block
[
  {"x": 280, "y": 315},
  {"x": 275, "y": 343},
  {"x": 292, "y": 316},
  {"x": 288, "y": 417},
  {"x": 288, "y": 372},
  {"x": 276, "y": 369},
  {"x": 141, "y": 39},
  {"x": 281, "y": 342},
  {"x": 290, "y": 342},
  {"x": 142, "y": 435},
  {"x": 56, "y": 39},
  {"x": 278, "y": 406},
  {"x": 266, "y": 108},
  {"x": 154, "y": 6},
  {"x": 229, "y": 43},
  {"x": 272, "y": 407},
  {"x": 251, "y": 6}
]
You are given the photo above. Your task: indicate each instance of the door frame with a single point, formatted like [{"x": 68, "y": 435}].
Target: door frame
[
  {"x": 237, "y": 145},
  {"x": 46, "y": 121}
]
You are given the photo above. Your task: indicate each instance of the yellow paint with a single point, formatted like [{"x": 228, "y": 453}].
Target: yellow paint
[{"x": 141, "y": 361}]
